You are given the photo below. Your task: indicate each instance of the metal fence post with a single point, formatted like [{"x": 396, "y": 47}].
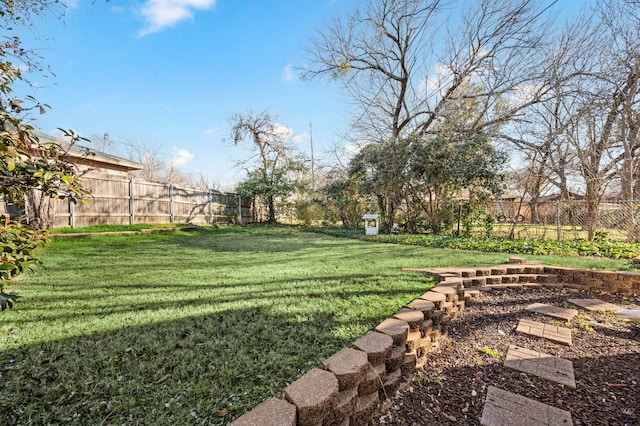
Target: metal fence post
[
  {"x": 558, "y": 226},
  {"x": 72, "y": 219},
  {"x": 210, "y": 207},
  {"x": 170, "y": 203},
  {"x": 132, "y": 218},
  {"x": 239, "y": 209}
]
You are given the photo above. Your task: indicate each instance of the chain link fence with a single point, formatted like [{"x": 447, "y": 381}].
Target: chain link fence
[{"x": 560, "y": 219}]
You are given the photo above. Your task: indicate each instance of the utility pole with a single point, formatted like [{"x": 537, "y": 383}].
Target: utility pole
[{"x": 313, "y": 173}]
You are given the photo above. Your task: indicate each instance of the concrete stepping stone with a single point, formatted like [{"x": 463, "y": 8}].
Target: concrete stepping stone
[
  {"x": 505, "y": 408},
  {"x": 594, "y": 304},
  {"x": 539, "y": 364},
  {"x": 546, "y": 331},
  {"x": 553, "y": 311},
  {"x": 630, "y": 314}
]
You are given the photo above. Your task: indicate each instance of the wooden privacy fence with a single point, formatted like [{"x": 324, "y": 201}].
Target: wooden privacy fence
[{"x": 126, "y": 201}]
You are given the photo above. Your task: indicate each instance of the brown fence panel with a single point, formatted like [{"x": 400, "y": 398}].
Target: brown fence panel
[
  {"x": 150, "y": 202},
  {"x": 117, "y": 200}
]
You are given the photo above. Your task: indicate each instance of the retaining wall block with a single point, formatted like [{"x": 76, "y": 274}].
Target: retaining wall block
[
  {"x": 479, "y": 281},
  {"x": 365, "y": 406},
  {"x": 467, "y": 273},
  {"x": 509, "y": 279},
  {"x": 395, "y": 359},
  {"x": 515, "y": 270},
  {"x": 413, "y": 341},
  {"x": 436, "y": 316},
  {"x": 450, "y": 293},
  {"x": 435, "y": 298},
  {"x": 483, "y": 272},
  {"x": 546, "y": 278},
  {"x": 497, "y": 279},
  {"x": 498, "y": 270},
  {"x": 272, "y": 412},
  {"x": 425, "y": 306},
  {"x": 373, "y": 380},
  {"x": 395, "y": 328},
  {"x": 391, "y": 383},
  {"x": 346, "y": 406},
  {"x": 409, "y": 364},
  {"x": 377, "y": 346},
  {"x": 455, "y": 283},
  {"x": 315, "y": 394},
  {"x": 436, "y": 333},
  {"x": 515, "y": 259},
  {"x": 349, "y": 366},
  {"x": 413, "y": 317},
  {"x": 425, "y": 328}
]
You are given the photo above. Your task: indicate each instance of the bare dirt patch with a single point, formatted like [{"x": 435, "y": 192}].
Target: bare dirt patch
[{"x": 452, "y": 386}]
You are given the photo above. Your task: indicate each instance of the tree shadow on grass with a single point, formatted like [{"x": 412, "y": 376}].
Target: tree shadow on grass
[{"x": 178, "y": 372}]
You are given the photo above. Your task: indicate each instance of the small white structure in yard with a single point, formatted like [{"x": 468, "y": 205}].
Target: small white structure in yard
[{"x": 371, "y": 224}]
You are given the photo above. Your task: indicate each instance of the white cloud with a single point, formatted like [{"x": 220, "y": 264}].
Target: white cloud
[
  {"x": 288, "y": 74},
  {"x": 524, "y": 93},
  {"x": 351, "y": 150},
  {"x": 161, "y": 14},
  {"x": 213, "y": 132},
  {"x": 436, "y": 82},
  {"x": 300, "y": 138},
  {"x": 281, "y": 132},
  {"x": 180, "y": 157}
]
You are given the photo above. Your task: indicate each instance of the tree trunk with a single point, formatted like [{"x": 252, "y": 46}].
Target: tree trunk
[
  {"x": 272, "y": 210},
  {"x": 40, "y": 210}
]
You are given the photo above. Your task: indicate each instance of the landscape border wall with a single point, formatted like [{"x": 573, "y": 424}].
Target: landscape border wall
[{"x": 349, "y": 386}]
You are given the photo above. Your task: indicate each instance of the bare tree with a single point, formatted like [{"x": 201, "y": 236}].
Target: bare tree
[
  {"x": 402, "y": 61},
  {"x": 410, "y": 65},
  {"x": 274, "y": 169},
  {"x": 604, "y": 126}
]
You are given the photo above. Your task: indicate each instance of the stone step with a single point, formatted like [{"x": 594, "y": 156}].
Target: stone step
[
  {"x": 546, "y": 331},
  {"x": 509, "y": 279},
  {"x": 505, "y": 408},
  {"x": 545, "y": 366},
  {"x": 552, "y": 311},
  {"x": 594, "y": 304}
]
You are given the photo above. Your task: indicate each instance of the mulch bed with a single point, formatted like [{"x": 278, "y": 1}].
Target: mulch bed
[{"x": 452, "y": 386}]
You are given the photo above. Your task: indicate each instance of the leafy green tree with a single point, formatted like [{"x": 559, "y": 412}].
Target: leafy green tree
[
  {"x": 344, "y": 197},
  {"x": 419, "y": 176},
  {"x": 275, "y": 168},
  {"x": 26, "y": 163}
]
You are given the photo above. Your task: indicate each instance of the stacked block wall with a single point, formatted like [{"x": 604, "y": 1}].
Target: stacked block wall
[{"x": 347, "y": 388}]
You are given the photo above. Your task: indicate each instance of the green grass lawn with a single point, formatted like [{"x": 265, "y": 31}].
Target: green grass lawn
[{"x": 178, "y": 328}]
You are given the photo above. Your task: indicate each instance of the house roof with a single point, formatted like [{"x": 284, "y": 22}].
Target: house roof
[{"x": 87, "y": 155}]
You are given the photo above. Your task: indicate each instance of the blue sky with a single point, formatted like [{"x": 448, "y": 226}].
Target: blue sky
[{"x": 171, "y": 72}]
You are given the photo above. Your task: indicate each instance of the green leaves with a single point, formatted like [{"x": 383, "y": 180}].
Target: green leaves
[
  {"x": 17, "y": 246},
  {"x": 7, "y": 299},
  {"x": 578, "y": 247}
]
